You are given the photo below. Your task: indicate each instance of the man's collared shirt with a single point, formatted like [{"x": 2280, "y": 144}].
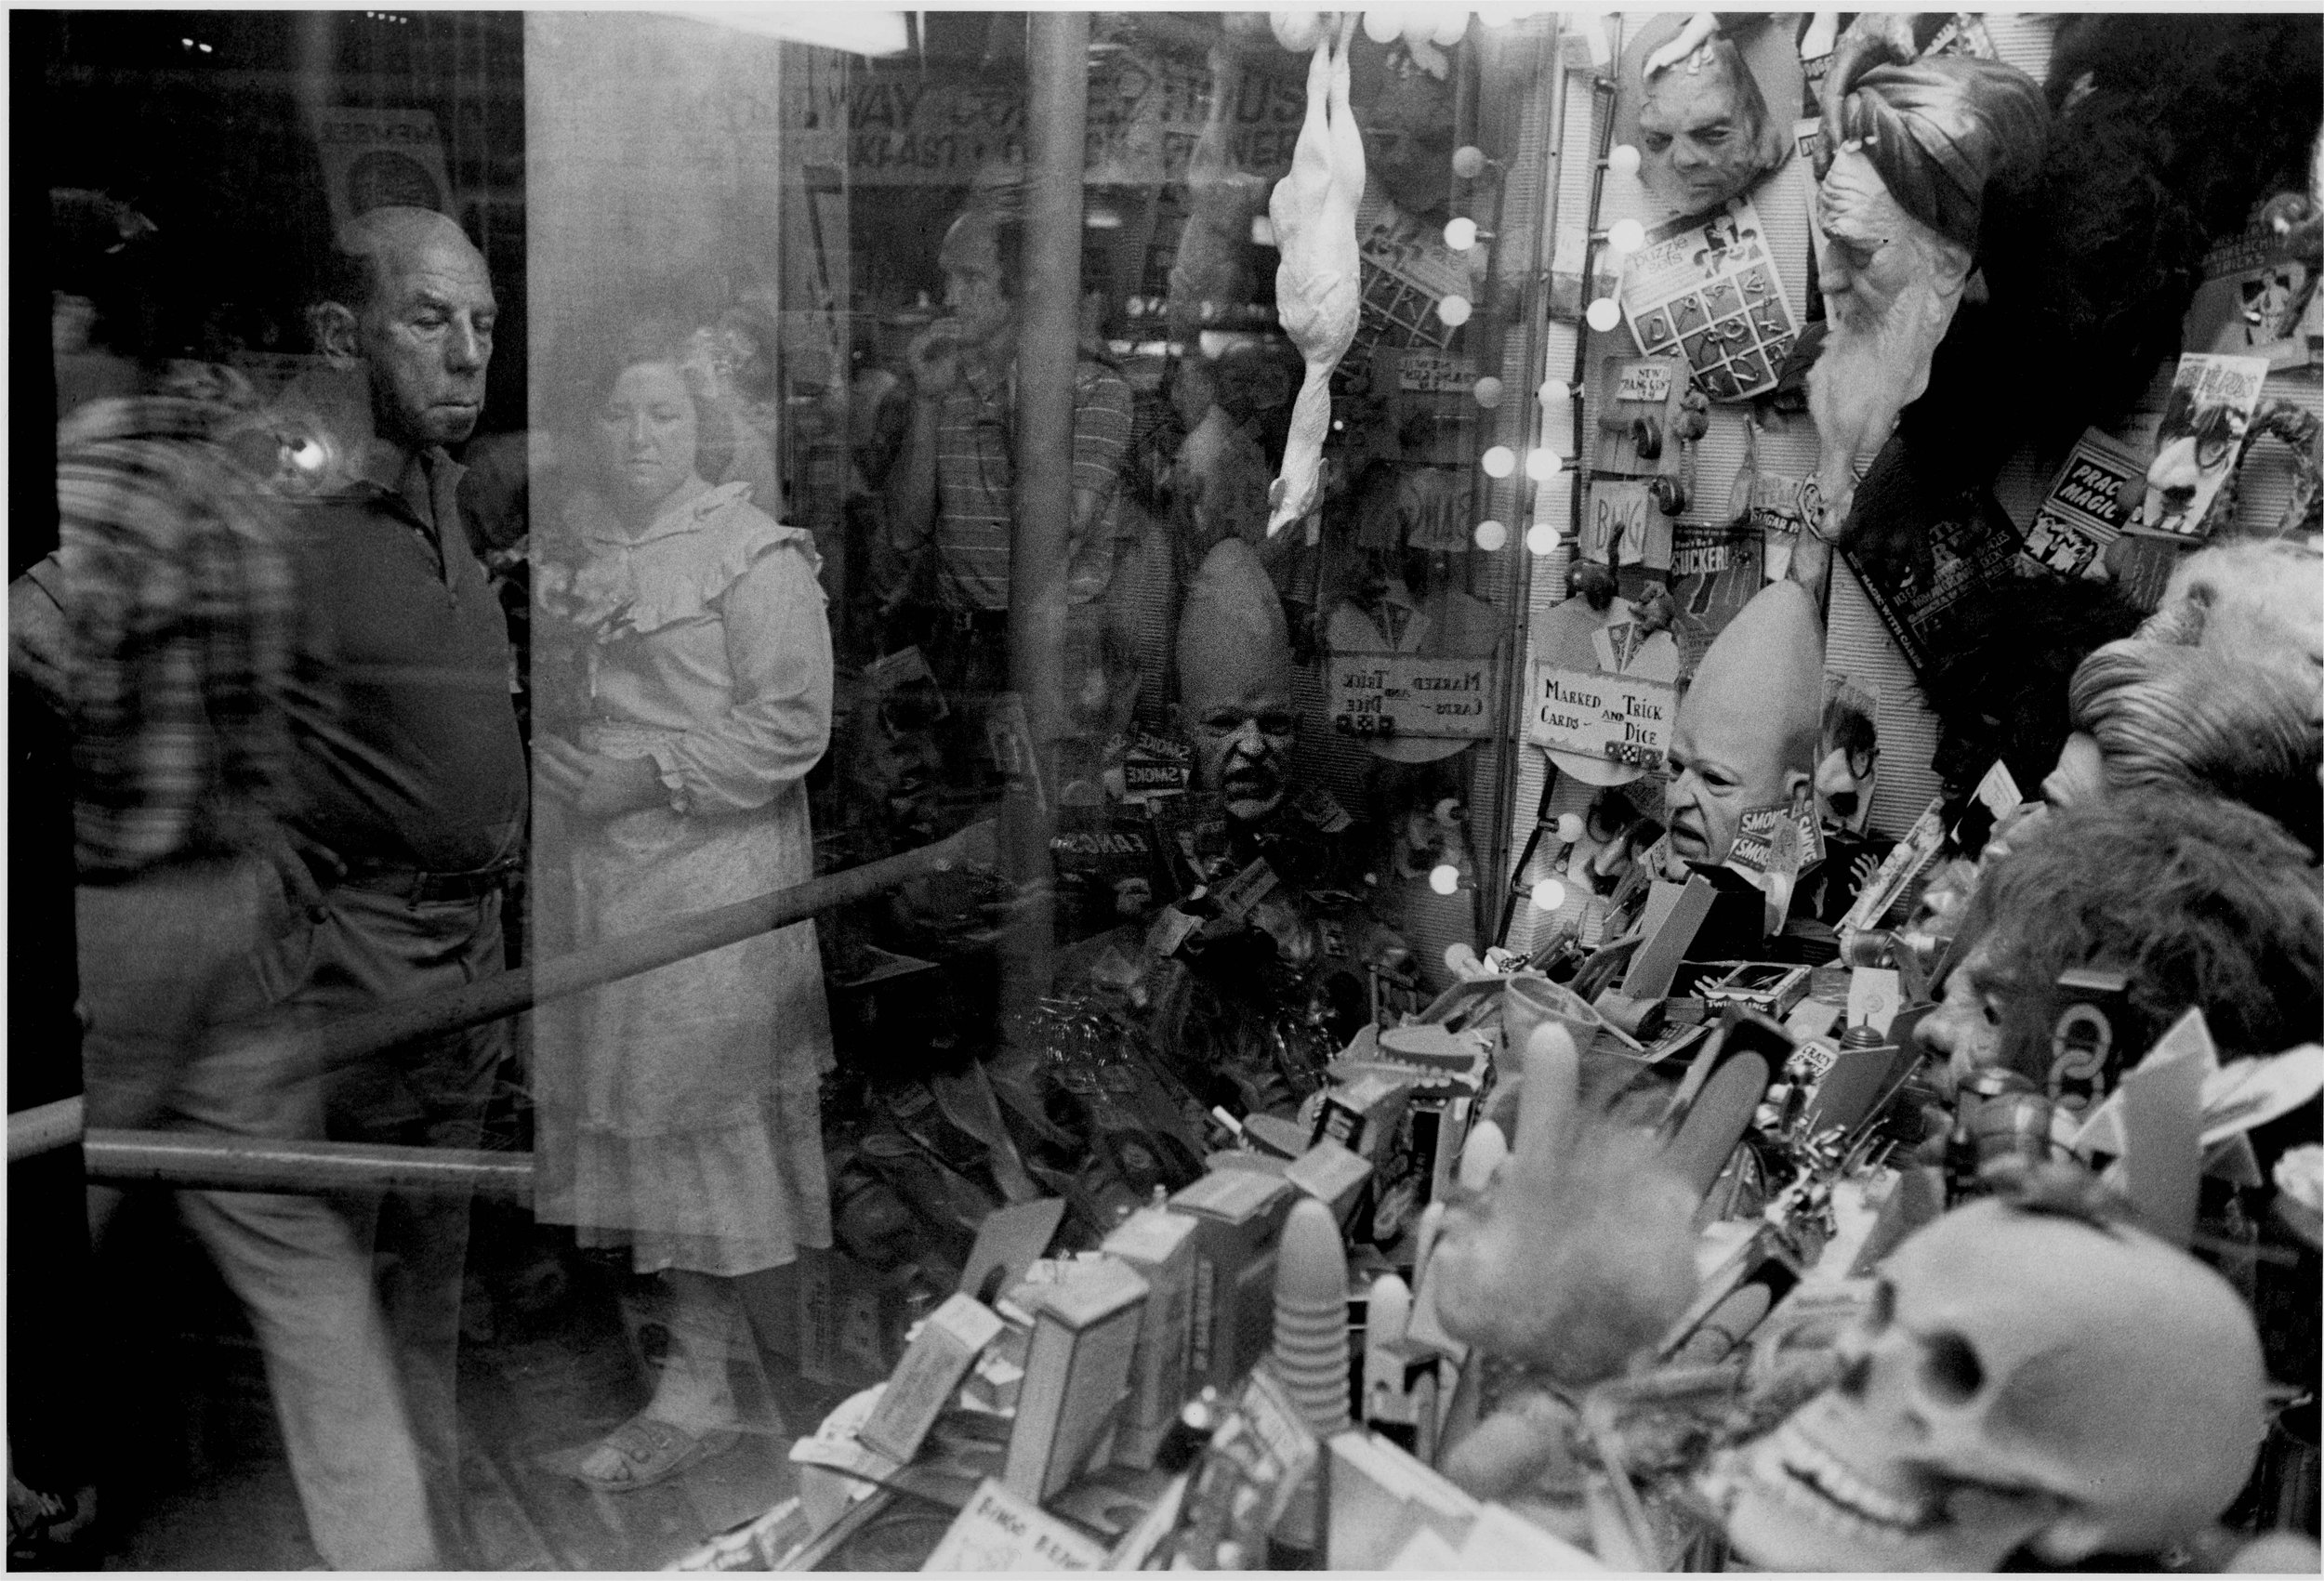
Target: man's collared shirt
[
  {"x": 976, "y": 487},
  {"x": 418, "y": 765},
  {"x": 177, "y": 595}
]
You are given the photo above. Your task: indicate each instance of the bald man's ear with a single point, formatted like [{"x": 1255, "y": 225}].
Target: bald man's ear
[{"x": 332, "y": 326}]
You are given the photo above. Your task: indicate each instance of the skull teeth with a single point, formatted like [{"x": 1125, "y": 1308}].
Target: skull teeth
[{"x": 1800, "y": 1461}]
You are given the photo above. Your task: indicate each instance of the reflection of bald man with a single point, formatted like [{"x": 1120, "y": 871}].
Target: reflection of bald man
[
  {"x": 412, "y": 795},
  {"x": 1746, "y": 732}
]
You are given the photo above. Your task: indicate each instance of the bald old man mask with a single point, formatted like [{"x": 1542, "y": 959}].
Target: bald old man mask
[
  {"x": 1234, "y": 683},
  {"x": 1704, "y": 126},
  {"x": 1746, "y": 728},
  {"x": 1907, "y": 154}
]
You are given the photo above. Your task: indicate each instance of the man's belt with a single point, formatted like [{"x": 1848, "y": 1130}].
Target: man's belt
[{"x": 414, "y": 883}]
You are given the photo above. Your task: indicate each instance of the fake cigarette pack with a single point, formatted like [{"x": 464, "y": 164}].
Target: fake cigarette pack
[
  {"x": 1362, "y": 1116},
  {"x": 1262, "y": 1457},
  {"x": 1238, "y": 1215},
  {"x": 1333, "y": 1176},
  {"x": 1420, "y": 1164},
  {"x": 1380, "y": 1496},
  {"x": 1076, "y": 1374},
  {"x": 1769, "y": 987},
  {"x": 938, "y": 1357},
  {"x": 1160, "y": 1245}
]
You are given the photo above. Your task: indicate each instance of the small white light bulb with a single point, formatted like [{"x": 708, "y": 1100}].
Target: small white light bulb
[
  {"x": 1498, "y": 462},
  {"x": 1488, "y": 391},
  {"x": 1604, "y": 314},
  {"x": 1443, "y": 878},
  {"x": 1460, "y": 234},
  {"x": 1490, "y": 535},
  {"x": 1570, "y": 828},
  {"x": 1553, "y": 392},
  {"x": 1548, "y": 895},
  {"x": 1382, "y": 25},
  {"x": 1468, "y": 162},
  {"x": 1541, "y": 538},
  {"x": 1454, "y": 311},
  {"x": 1622, "y": 159},
  {"x": 1626, "y": 236},
  {"x": 1542, "y": 465}
]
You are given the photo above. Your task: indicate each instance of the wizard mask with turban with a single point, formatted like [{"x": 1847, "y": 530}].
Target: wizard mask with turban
[{"x": 1909, "y": 152}]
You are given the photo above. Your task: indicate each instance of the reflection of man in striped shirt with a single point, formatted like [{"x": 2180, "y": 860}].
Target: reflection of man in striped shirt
[{"x": 954, "y": 488}]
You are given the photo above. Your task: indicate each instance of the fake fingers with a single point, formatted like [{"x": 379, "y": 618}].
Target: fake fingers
[{"x": 1547, "y": 1108}]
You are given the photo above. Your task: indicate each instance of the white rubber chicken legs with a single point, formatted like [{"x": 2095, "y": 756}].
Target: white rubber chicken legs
[{"x": 1318, "y": 283}]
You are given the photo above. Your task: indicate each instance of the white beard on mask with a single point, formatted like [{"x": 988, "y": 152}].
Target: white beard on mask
[{"x": 1875, "y": 361}]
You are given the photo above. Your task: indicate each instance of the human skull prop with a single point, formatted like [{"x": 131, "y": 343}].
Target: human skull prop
[{"x": 2022, "y": 1377}]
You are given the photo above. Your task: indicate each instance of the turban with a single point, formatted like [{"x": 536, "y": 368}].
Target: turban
[{"x": 1939, "y": 130}]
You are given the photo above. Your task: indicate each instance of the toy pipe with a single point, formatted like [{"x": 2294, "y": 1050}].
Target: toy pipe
[
  {"x": 232, "y": 1164},
  {"x": 358, "y": 1036}
]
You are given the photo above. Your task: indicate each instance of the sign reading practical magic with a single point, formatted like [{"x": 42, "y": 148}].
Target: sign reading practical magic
[
  {"x": 1599, "y": 713},
  {"x": 1406, "y": 694}
]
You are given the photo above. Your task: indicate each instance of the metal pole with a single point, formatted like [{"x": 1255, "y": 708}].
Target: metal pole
[
  {"x": 1533, "y": 311},
  {"x": 47, "y": 1128},
  {"x": 190, "y": 1162},
  {"x": 1048, "y": 328},
  {"x": 361, "y": 1036}
]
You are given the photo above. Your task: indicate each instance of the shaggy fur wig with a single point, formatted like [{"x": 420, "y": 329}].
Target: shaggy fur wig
[
  {"x": 1580, "y": 1251},
  {"x": 2167, "y": 130},
  {"x": 1999, "y": 689},
  {"x": 2204, "y": 903}
]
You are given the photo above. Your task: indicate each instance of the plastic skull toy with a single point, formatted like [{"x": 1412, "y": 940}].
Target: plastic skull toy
[{"x": 2025, "y": 1377}]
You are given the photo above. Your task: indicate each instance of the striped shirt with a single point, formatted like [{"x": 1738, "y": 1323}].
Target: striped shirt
[
  {"x": 976, "y": 488},
  {"x": 178, "y": 596}
]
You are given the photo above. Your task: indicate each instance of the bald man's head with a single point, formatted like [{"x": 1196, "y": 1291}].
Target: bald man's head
[{"x": 411, "y": 299}]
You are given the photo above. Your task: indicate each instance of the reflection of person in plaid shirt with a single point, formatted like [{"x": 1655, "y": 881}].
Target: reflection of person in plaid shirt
[
  {"x": 976, "y": 495},
  {"x": 178, "y": 635},
  {"x": 164, "y": 628}
]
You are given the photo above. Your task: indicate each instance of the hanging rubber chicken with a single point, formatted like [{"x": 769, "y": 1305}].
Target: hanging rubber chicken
[{"x": 1318, "y": 285}]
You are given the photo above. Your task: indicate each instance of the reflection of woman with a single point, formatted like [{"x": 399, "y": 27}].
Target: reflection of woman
[{"x": 677, "y": 1110}]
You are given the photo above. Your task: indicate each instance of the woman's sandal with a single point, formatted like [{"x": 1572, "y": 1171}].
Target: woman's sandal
[{"x": 654, "y": 1451}]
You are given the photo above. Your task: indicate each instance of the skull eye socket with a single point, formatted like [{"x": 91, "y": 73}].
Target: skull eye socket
[{"x": 1950, "y": 1372}]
